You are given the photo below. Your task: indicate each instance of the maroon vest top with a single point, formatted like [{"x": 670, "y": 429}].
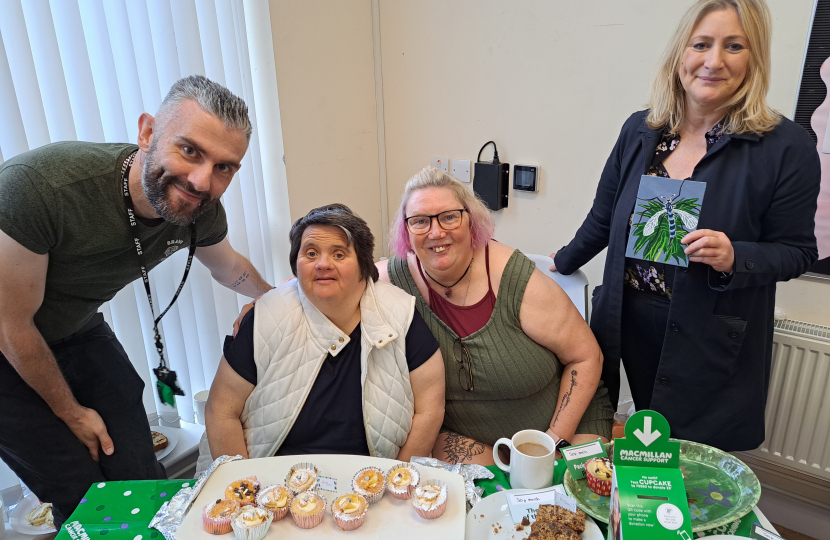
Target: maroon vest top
[{"x": 464, "y": 320}]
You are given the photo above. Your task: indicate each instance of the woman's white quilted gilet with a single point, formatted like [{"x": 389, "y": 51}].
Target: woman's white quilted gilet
[{"x": 292, "y": 339}]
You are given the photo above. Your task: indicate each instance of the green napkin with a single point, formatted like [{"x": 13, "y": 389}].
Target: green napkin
[{"x": 120, "y": 510}]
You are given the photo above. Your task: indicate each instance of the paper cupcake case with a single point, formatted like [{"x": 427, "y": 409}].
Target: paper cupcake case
[
  {"x": 309, "y": 522},
  {"x": 277, "y": 513},
  {"x": 349, "y": 522},
  {"x": 218, "y": 525},
  {"x": 251, "y": 533},
  {"x": 370, "y": 498},
  {"x": 438, "y": 510},
  {"x": 311, "y": 468},
  {"x": 405, "y": 493}
]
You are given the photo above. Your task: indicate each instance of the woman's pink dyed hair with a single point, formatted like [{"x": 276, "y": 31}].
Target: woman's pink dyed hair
[{"x": 481, "y": 223}]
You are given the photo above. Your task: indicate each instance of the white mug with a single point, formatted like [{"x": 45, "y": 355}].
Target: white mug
[
  {"x": 199, "y": 401},
  {"x": 528, "y": 472}
]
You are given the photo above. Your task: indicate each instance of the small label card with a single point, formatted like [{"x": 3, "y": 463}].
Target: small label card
[
  {"x": 760, "y": 533},
  {"x": 576, "y": 456},
  {"x": 327, "y": 484},
  {"x": 526, "y": 504},
  {"x": 566, "y": 502}
]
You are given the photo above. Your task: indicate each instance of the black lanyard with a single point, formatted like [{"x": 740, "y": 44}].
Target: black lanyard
[{"x": 128, "y": 201}]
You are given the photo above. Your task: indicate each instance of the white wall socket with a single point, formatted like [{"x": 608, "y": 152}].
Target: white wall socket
[
  {"x": 461, "y": 169},
  {"x": 441, "y": 163}
]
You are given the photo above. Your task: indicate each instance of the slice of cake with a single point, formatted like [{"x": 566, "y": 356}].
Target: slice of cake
[
  {"x": 562, "y": 516},
  {"x": 159, "y": 441},
  {"x": 550, "y": 530}
]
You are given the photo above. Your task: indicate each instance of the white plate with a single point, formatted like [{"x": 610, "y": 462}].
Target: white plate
[
  {"x": 388, "y": 519},
  {"x": 17, "y": 519},
  {"x": 172, "y": 438},
  {"x": 492, "y": 513}
]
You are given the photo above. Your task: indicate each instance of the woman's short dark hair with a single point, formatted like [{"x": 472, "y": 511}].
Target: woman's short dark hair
[{"x": 356, "y": 230}]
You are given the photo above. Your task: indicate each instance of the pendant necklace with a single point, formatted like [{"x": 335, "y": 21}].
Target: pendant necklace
[{"x": 448, "y": 290}]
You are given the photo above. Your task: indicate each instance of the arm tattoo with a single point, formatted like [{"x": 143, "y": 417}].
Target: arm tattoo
[
  {"x": 567, "y": 397},
  {"x": 459, "y": 448},
  {"x": 242, "y": 279}
]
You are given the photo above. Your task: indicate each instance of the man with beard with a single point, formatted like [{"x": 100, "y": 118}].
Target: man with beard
[{"x": 78, "y": 222}]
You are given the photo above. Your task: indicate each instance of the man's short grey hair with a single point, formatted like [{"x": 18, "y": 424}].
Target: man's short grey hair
[{"x": 213, "y": 98}]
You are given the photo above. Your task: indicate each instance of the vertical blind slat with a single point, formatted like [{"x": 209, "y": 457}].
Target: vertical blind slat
[
  {"x": 23, "y": 74},
  {"x": 77, "y": 70},
  {"x": 13, "y": 135},
  {"x": 47, "y": 61}
]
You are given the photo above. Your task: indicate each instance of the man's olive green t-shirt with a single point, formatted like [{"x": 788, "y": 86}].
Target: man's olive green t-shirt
[{"x": 65, "y": 199}]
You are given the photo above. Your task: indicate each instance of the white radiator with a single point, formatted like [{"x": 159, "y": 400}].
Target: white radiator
[{"x": 798, "y": 404}]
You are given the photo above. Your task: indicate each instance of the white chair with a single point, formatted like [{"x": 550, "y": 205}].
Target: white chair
[{"x": 574, "y": 285}]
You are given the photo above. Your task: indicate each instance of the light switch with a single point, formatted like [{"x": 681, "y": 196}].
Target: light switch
[
  {"x": 461, "y": 169},
  {"x": 441, "y": 163}
]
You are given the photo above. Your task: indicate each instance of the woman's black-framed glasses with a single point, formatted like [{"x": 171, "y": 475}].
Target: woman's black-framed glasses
[
  {"x": 449, "y": 220},
  {"x": 465, "y": 370}
]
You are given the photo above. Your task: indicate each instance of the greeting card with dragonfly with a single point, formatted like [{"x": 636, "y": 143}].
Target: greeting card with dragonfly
[{"x": 666, "y": 211}]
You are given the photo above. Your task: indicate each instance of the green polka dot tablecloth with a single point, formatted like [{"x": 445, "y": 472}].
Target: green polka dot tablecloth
[{"x": 120, "y": 510}]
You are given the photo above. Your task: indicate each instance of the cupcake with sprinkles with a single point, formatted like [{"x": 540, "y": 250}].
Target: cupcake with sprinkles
[
  {"x": 251, "y": 523},
  {"x": 216, "y": 516},
  {"x": 370, "y": 483},
  {"x": 243, "y": 491},
  {"x": 349, "y": 511}
]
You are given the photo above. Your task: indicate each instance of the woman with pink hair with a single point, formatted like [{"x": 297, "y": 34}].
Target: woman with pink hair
[{"x": 517, "y": 354}]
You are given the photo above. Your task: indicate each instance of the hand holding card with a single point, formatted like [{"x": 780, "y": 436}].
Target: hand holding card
[{"x": 710, "y": 247}]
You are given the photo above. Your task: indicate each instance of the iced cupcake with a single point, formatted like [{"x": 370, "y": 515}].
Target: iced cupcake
[
  {"x": 216, "y": 516},
  {"x": 370, "y": 484},
  {"x": 275, "y": 499},
  {"x": 402, "y": 479},
  {"x": 598, "y": 472},
  {"x": 243, "y": 491},
  {"x": 307, "y": 509},
  {"x": 430, "y": 499},
  {"x": 349, "y": 511},
  {"x": 251, "y": 523},
  {"x": 301, "y": 477}
]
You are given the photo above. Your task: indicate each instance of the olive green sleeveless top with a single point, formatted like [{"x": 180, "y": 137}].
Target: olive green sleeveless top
[{"x": 515, "y": 379}]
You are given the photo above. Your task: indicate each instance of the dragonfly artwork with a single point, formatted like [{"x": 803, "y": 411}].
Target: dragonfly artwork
[{"x": 666, "y": 211}]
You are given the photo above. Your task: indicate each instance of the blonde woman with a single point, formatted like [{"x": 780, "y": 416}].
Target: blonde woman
[{"x": 696, "y": 342}]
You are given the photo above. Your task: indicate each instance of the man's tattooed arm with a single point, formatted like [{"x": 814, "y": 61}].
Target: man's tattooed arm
[
  {"x": 242, "y": 279},
  {"x": 459, "y": 449},
  {"x": 566, "y": 399}
]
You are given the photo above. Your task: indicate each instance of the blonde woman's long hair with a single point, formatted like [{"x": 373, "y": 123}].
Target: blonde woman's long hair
[{"x": 747, "y": 110}]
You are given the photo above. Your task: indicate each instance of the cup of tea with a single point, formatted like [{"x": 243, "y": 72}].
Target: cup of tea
[{"x": 532, "y": 457}]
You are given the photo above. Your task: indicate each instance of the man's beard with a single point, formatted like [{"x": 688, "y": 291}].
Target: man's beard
[{"x": 157, "y": 186}]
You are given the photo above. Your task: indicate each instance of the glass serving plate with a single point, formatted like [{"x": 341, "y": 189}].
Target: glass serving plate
[{"x": 719, "y": 486}]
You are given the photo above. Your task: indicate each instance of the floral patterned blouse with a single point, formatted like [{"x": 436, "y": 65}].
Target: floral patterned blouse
[{"x": 654, "y": 277}]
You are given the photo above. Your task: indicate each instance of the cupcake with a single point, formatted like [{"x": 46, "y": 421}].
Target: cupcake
[
  {"x": 301, "y": 477},
  {"x": 598, "y": 471},
  {"x": 349, "y": 511},
  {"x": 217, "y": 516},
  {"x": 251, "y": 523},
  {"x": 243, "y": 491},
  {"x": 402, "y": 479},
  {"x": 430, "y": 499},
  {"x": 369, "y": 483},
  {"x": 307, "y": 509},
  {"x": 275, "y": 499}
]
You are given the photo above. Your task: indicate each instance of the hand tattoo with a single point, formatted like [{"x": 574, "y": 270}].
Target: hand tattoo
[
  {"x": 459, "y": 448},
  {"x": 567, "y": 397},
  {"x": 242, "y": 279}
]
